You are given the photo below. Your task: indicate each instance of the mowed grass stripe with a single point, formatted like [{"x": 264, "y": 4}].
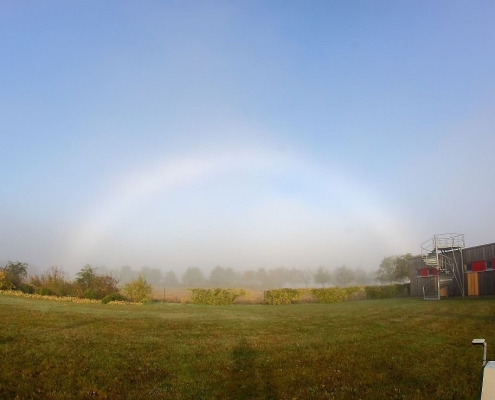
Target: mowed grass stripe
[{"x": 395, "y": 348}]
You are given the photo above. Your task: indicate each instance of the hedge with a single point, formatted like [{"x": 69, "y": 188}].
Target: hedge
[
  {"x": 282, "y": 296},
  {"x": 388, "y": 291},
  {"x": 216, "y": 296},
  {"x": 337, "y": 295}
]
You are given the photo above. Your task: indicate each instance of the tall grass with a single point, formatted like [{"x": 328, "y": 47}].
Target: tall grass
[{"x": 380, "y": 349}]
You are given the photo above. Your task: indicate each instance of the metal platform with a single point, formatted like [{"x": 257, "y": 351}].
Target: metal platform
[{"x": 439, "y": 253}]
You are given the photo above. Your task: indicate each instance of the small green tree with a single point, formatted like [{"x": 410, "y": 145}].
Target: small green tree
[
  {"x": 402, "y": 268},
  {"x": 139, "y": 290},
  {"x": 93, "y": 286},
  {"x": 386, "y": 272},
  {"x": 394, "y": 269},
  {"x": 85, "y": 279},
  {"x": 15, "y": 273}
]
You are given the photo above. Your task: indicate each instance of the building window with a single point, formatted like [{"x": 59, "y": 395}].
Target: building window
[
  {"x": 469, "y": 267},
  {"x": 489, "y": 265}
]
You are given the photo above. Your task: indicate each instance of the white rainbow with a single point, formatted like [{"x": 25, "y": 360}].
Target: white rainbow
[{"x": 173, "y": 175}]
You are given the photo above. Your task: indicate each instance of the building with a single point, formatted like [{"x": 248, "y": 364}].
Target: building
[{"x": 447, "y": 268}]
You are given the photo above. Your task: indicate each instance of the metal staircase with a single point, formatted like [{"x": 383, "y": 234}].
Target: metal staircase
[{"x": 440, "y": 253}]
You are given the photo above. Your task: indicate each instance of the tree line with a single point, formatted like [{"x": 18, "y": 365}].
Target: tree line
[
  {"x": 261, "y": 278},
  {"x": 91, "y": 282},
  {"x": 88, "y": 284},
  {"x": 393, "y": 269}
]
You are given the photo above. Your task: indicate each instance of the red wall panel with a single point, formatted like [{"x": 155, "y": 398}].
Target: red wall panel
[{"x": 478, "y": 266}]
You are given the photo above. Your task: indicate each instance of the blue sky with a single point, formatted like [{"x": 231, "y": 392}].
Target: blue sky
[{"x": 245, "y": 134}]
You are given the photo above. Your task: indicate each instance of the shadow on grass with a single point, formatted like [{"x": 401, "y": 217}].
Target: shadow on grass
[
  {"x": 6, "y": 340},
  {"x": 246, "y": 381}
]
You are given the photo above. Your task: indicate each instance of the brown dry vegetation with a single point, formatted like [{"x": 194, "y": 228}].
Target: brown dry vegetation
[{"x": 184, "y": 295}]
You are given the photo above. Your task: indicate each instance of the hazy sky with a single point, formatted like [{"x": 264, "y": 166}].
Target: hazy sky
[{"x": 244, "y": 134}]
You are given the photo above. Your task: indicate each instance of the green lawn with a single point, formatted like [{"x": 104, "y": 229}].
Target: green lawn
[{"x": 376, "y": 349}]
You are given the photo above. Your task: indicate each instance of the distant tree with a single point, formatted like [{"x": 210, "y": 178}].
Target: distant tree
[
  {"x": 307, "y": 276},
  {"x": 248, "y": 278},
  {"x": 231, "y": 277},
  {"x": 139, "y": 290},
  {"x": 15, "y": 273},
  {"x": 262, "y": 278},
  {"x": 222, "y": 277},
  {"x": 126, "y": 274},
  {"x": 103, "y": 270},
  {"x": 153, "y": 275},
  {"x": 394, "y": 269},
  {"x": 343, "y": 276},
  {"x": 217, "y": 276},
  {"x": 322, "y": 276},
  {"x": 170, "y": 279},
  {"x": 278, "y": 277},
  {"x": 193, "y": 277},
  {"x": 361, "y": 277},
  {"x": 294, "y": 276},
  {"x": 372, "y": 277}
]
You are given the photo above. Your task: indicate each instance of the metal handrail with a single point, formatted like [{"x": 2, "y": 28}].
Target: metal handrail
[
  {"x": 432, "y": 252},
  {"x": 443, "y": 240}
]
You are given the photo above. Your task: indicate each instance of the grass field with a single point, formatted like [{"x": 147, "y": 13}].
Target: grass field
[{"x": 380, "y": 349}]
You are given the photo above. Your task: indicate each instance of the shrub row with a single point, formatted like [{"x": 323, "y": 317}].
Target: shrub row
[
  {"x": 228, "y": 296},
  {"x": 386, "y": 292},
  {"x": 283, "y": 296},
  {"x": 324, "y": 295},
  {"x": 337, "y": 295},
  {"x": 216, "y": 296},
  {"x": 115, "y": 298}
]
